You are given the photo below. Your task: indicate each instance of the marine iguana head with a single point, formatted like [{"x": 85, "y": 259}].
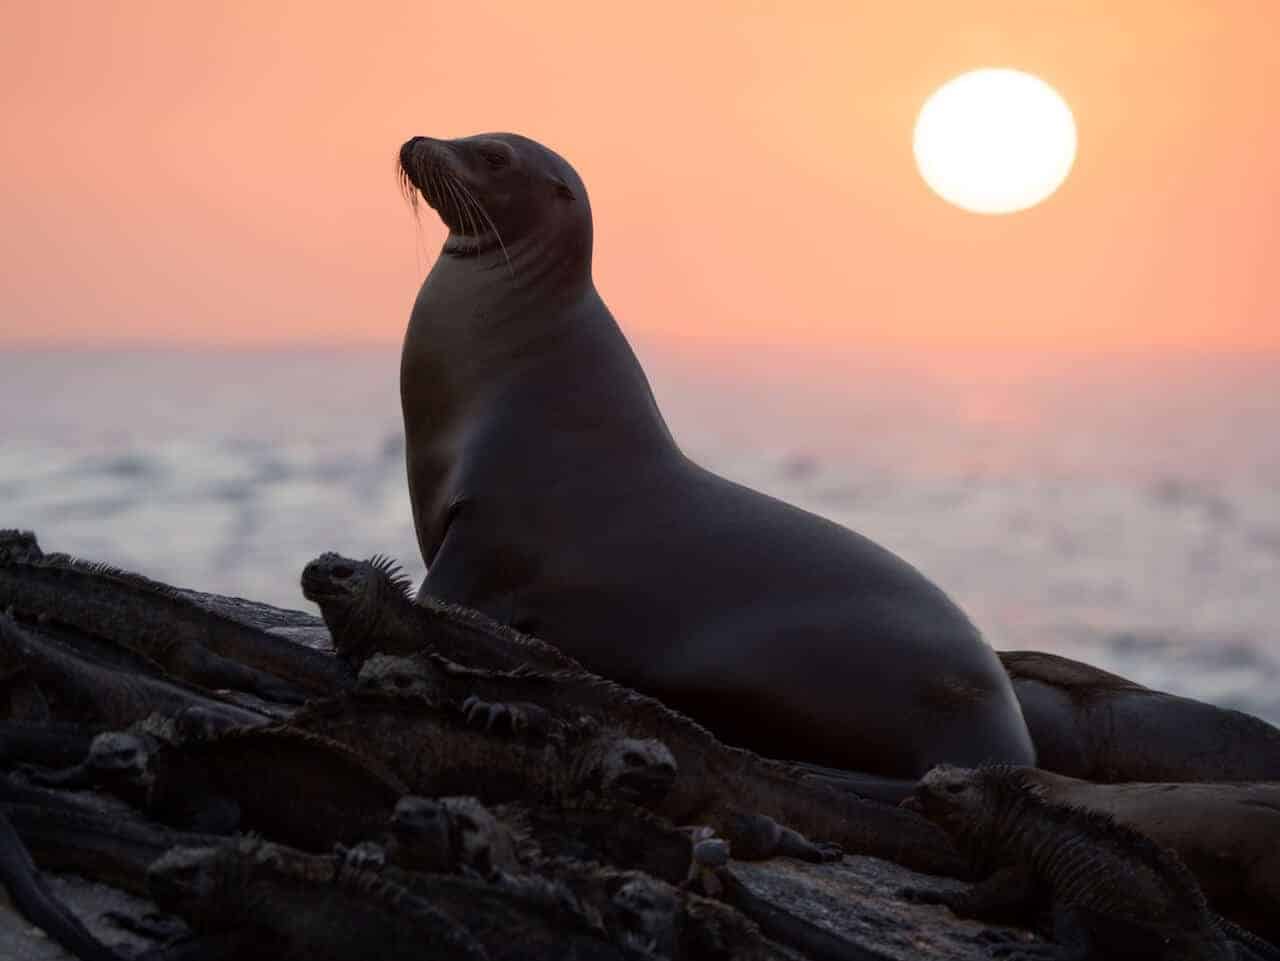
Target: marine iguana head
[
  {"x": 639, "y": 770},
  {"x": 395, "y": 676},
  {"x": 965, "y": 801},
  {"x": 645, "y": 910},
  {"x": 483, "y": 843},
  {"x": 194, "y": 882},
  {"x": 20, "y": 546},
  {"x": 423, "y": 836},
  {"x": 352, "y": 596},
  {"x": 451, "y": 834},
  {"x": 118, "y": 755}
]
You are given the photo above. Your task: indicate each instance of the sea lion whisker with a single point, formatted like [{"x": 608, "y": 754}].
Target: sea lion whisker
[
  {"x": 492, "y": 226},
  {"x": 469, "y": 228}
]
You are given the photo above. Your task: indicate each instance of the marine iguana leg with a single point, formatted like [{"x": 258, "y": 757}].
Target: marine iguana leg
[
  {"x": 519, "y": 717},
  {"x": 890, "y": 790},
  {"x": 999, "y": 895},
  {"x": 75, "y": 777},
  {"x": 37, "y": 903}
]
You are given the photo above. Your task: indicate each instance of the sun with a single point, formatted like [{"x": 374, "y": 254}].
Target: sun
[{"x": 995, "y": 141}]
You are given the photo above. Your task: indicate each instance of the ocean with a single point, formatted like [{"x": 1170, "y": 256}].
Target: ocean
[{"x": 1121, "y": 509}]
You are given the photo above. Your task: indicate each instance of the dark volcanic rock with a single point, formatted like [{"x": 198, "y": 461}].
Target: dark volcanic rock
[{"x": 850, "y": 909}]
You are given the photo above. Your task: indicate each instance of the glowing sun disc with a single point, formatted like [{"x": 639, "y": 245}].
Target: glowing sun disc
[{"x": 995, "y": 141}]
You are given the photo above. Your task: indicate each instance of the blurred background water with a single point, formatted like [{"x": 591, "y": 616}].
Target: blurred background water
[{"x": 1123, "y": 508}]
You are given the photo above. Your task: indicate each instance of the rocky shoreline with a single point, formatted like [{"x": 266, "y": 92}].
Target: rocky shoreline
[{"x": 577, "y": 879}]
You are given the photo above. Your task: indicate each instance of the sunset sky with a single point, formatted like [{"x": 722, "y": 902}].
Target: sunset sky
[{"x": 223, "y": 173}]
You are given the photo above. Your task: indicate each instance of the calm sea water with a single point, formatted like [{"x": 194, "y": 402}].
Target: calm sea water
[{"x": 1125, "y": 510}]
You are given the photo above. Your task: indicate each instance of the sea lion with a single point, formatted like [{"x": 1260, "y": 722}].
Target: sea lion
[
  {"x": 1225, "y": 833},
  {"x": 548, "y": 493},
  {"x": 1091, "y": 724}
]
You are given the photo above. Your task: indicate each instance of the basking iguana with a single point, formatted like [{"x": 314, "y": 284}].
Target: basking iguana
[
  {"x": 460, "y": 834},
  {"x": 758, "y": 805},
  {"x": 284, "y": 782},
  {"x": 323, "y": 908},
  {"x": 634, "y": 909},
  {"x": 88, "y": 835},
  {"x": 1112, "y": 891},
  {"x": 82, "y": 690},
  {"x": 160, "y": 623},
  {"x": 370, "y": 609},
  {"x": 29, "y": 893},
  {"x": 436, "y": 751}
]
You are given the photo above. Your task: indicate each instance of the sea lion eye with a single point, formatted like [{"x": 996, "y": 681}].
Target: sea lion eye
[
  {"x": 494, "y": 158},
  {"x": 563, "y": 191}
]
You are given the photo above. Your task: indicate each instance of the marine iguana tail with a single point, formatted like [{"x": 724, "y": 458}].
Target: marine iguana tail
[
  {"x": 19, "y": 875},
  {"x": 159, "y": 622},
  {"x": 84, "y": 690}
]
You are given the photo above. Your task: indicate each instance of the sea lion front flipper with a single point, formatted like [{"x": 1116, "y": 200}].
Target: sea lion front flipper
[{"x": 756, "y": 837}]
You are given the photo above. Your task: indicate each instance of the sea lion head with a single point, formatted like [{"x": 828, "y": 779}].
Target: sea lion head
[{"x": 494, "y": 191}]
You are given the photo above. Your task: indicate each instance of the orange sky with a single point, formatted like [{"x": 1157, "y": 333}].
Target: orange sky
[{"x": 217, "y": 174}]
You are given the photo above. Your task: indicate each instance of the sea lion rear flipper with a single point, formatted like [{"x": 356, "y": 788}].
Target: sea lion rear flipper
[{"x": 890, "y": 790}]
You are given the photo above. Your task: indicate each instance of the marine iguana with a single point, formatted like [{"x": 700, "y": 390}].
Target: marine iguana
[
  {"x": 758, "y": 805},
  {"x": 116, "y": 761},
  {"x": 1090, "y": 724},
  {"x": 88, "y": 691},
  {"x": 1110, "y": 889},
  {"x": 289, "y": 784},
  {"x": 447, "y": 835},
  {"x": 1228, "y": 835},
  {"x": 369, "y": 608},
  {"x": 159, "y": 623},
  {"x": 29, "y": 893},
  {"x": 436, "y": 752},
  {"x": 88, "y": 835},
  {"x": 323, "y": 908},
  {"x": 460, "y": 834}
]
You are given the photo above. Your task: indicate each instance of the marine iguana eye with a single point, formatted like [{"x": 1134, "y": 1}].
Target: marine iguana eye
[
  {"x": 633, "y": 759},
  {"x": 342, "y": 572},
  {"x": 955, "y": 788}
]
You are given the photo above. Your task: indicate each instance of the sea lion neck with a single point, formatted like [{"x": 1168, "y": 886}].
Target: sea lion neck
[{"x": 480, "y": 334}]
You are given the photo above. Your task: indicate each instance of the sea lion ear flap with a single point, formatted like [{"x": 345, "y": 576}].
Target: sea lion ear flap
[{"x": 563, "y": 190}]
